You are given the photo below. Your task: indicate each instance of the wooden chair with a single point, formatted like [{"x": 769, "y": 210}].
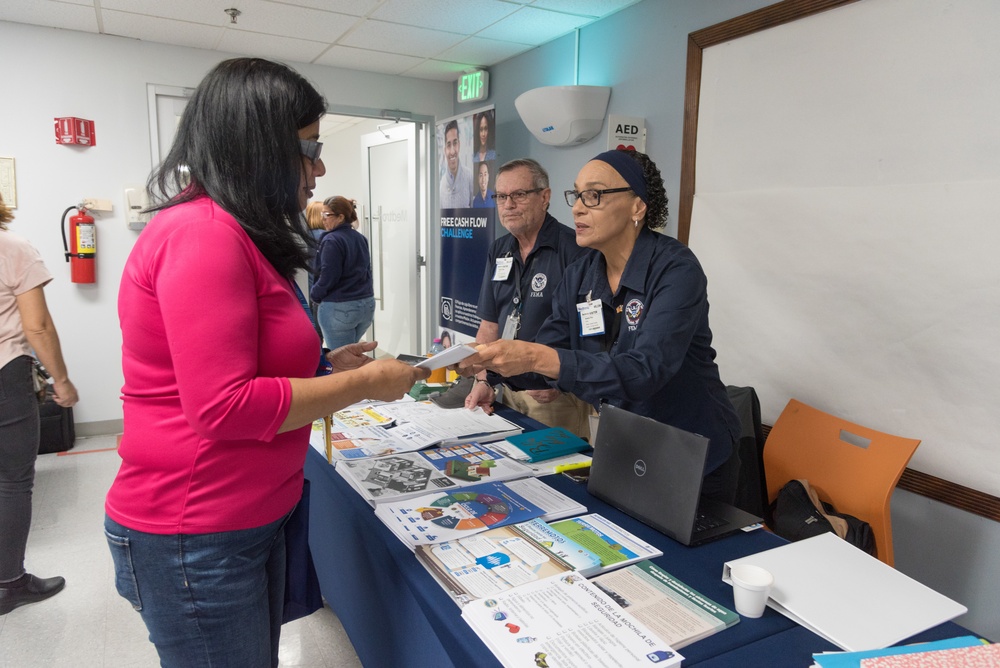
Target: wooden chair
[{"x": 854, "y": 468}]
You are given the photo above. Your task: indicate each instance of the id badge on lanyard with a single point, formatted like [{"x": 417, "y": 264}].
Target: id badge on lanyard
[
  {"x": 502, "y": 271},
  {"x": 591, "y": 317}
]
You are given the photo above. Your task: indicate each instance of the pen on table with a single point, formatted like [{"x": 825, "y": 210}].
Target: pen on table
[{"x": 570, "y": 467}]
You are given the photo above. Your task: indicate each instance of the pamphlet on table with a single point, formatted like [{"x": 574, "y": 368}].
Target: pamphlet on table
[
  {"x": 409, "y": 474},
  {"x": 543, "y": 444},
  {"x": 441, "y": 516},
  {"x": 564, "y": 621},
  {"x": 613, "y": 545},
  {"x": 673, "y": 611}
]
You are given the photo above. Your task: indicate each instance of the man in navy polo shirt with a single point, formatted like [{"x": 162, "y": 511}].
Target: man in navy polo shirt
[{"x": 522, "y": 271}]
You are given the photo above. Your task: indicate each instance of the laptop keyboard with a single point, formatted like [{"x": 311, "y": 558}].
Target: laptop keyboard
[{"x": 705, "y": 521}]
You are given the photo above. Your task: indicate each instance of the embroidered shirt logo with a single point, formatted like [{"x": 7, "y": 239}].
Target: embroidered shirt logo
[
  {"x": 633, "y": 311},
  {"x": 538, "y": 283}
]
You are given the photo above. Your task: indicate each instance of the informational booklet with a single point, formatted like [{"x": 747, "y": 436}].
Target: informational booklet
[
  {"x": 465, "y": 511},
  {"x": 672, "y": 610},
  {"x": 542, "y": 444},
  {"x": 451, "y": 425},
  {"x": 564, "y": 621},
  {"x": 613, "y": 545},
  {"x": 409, "y": 474},
  {"x": 489, "y": 562},
  {"x": 366, "y": 416},
  {"x": 448, "y": 356}
]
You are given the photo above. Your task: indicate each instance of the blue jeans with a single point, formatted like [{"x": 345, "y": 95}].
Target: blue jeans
[
  {"x": 207, "y": 599},
  {"x": 345, "y": 322},
  {"x": 18, "y": 450}
]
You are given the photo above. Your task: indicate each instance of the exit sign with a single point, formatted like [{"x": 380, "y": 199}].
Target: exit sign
[{"x": 474, "y": 86}]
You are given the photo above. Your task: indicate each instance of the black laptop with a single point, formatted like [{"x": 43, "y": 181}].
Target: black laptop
[{"x": 653, "y": 472}]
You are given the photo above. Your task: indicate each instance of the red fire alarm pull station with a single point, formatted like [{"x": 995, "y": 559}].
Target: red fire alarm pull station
[{"x": 71, "y": 130}]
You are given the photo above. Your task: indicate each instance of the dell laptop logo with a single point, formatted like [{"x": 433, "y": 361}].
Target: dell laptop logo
[{"x": 639, "y": 467}]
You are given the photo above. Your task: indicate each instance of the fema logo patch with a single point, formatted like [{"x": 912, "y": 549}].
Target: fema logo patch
[
  {"x": 633, "y": 311},
  {"x": 538, "y": 282}
]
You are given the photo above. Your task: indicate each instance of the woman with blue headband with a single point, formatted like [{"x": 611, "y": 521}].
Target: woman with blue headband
[{"x": 629, "y": 324}]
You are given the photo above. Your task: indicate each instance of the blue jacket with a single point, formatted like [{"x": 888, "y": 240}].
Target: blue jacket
[{"x": 343, "y": 268}]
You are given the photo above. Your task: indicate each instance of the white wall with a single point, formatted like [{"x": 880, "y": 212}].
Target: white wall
[
  {"x": 52, "y": 73},
  {"x": 641, "y": 52}
]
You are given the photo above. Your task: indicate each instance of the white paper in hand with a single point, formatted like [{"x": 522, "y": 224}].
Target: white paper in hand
[{"x": 448, "y": 356}]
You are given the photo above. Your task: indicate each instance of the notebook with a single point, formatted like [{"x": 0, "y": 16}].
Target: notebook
[{"x": 653, "y": 472}]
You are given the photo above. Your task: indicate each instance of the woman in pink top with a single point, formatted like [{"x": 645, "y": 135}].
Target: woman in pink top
[
  {"x": 25, "y": 325},
  {"x": 220, "y": 360}
]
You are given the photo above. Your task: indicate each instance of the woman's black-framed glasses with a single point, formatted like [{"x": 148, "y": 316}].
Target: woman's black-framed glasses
[
  {"x": 518, "y": 196},
  {"x": 310, "y": 149},
  {"x": 591, "y": 197}
]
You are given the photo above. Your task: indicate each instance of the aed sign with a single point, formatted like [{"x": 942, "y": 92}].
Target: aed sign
[
  {"x": 626, "y": 132},
  {"x": 474, "y": 86}
]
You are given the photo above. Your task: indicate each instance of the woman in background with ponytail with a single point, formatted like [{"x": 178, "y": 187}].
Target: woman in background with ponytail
[{"x": 343, "y": 285}]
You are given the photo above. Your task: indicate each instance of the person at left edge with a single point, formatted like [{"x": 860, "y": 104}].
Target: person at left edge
[
  {"x": 25, "y": 324},
  {"x": 456, "y": 182},
  {"x": 344, "y": 288},
  {"x": 219, "y": 358}
]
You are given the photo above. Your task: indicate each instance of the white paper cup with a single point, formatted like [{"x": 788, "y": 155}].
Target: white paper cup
[{"x": 751, "y": 587}]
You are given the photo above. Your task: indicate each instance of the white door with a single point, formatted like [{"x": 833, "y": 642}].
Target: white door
[{"x": 393, "y": 221}]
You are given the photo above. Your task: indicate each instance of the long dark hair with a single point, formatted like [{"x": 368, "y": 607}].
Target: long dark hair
[{"x": 238, "y": 144}]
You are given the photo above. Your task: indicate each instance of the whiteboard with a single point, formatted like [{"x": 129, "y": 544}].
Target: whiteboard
[{"x": 847, "y": 214}]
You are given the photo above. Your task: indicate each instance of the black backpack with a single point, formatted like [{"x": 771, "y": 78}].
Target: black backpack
[{"x": 798, "y": 513}]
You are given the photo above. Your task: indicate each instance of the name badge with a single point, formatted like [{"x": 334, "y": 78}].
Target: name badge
[
  {"x": 511, "y": 326},
  {"x": 504, "y": 265},
  {"x": 591, "y": 318}
]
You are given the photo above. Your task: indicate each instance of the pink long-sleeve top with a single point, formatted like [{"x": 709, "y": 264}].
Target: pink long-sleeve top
[{"x": 210, "y": 335}]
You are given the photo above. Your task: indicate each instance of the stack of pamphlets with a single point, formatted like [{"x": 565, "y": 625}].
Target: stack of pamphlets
[
  {"x": 443, "y": 516},
  {"x": 502, "y": 558},
  {"x": 372, "y": 430},
  {"x": 676, "y": 613},
  {"x": 410, "y": 474},
  {"x": 564, "y": 620},
  {"x": 543, "y": 444},
  {"x": 960, "y": 652},
  {"x": 613, "y": 545}
]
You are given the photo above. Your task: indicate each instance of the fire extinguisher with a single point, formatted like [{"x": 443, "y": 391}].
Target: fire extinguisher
[{"x": 81, "y": 250}]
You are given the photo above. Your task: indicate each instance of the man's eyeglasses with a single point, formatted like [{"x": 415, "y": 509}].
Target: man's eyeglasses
[
  {"x": 591, "y": 197},
  {"x": 310, "y": 149},
  {"x": 518, "y": 196}
]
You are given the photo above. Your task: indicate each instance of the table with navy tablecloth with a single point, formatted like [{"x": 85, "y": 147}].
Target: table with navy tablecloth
[{"x": 396, "y": 614}]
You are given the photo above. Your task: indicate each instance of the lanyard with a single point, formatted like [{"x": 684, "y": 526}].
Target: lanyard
[{"x": 324, "y": 368}]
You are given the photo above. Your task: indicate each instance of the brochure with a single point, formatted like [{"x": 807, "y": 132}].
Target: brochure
[
  {"x": 564, "y": 621},
  {"x": 465, "y": 511},
  {"x": 672, "y": 610},
  {"x": 542, "y": 444},
  {"x": 448, "y": 356},
  {"x": 613, "y": 545},
  {"x": 409, "y": 474}
]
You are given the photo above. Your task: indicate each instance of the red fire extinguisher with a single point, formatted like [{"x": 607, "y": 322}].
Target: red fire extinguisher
[{"x": 81, "y": 250}]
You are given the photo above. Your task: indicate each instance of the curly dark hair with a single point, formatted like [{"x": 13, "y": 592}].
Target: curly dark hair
[{"x": 657, "y": 212}]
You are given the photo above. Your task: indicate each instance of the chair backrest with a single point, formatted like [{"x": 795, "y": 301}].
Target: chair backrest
[
  {"x": 751, "y": 490},
  {"x": 850, "y": 466}
]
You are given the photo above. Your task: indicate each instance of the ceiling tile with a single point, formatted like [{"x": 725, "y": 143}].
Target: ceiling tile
[
  {"x": 482, "y": 52},
  {"x": 50, "y": 14},
  {"x": 364, "y": 59},
  {"x": 191, "y": 11},
  {"x": 275, "y": 47},
  {"x": 406, "y": 40},
  {"x": 297, "y": 22},
  {"x": 165, "y": 31},
  {"x": 533, "y": 26},
  {"x": 438, "y": 70},
  {"x": 591, "y": 8},
  {"x": 350, "y": 7},
  {"x": 467, "y": 17}
]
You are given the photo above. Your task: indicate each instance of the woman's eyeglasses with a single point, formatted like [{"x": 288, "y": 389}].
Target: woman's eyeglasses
[
  {"x": 310, "y": 149},
  {"x": 591, "y": 197},
  {"x": 518, "y": 196}
]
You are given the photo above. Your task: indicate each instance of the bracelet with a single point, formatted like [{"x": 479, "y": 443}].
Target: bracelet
[{"x": 483, "y": 381}]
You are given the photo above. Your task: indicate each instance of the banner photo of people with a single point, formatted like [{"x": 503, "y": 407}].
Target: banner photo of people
[{"x": 466, "y": 178}]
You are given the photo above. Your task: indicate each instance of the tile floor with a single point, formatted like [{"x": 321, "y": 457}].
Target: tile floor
[{"x": 88, "y": 625}]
